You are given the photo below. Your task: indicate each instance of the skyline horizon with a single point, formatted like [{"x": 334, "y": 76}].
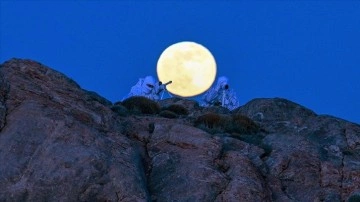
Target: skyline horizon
[{"x": 303, "y": 51}]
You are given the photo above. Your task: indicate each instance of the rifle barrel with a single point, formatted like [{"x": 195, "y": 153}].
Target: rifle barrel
[{"x": 169, "y": 82}]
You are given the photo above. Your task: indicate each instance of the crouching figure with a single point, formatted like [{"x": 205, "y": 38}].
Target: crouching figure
[{"x": 221, "y": 95}]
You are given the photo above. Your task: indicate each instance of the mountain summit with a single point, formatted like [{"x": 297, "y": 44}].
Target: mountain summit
[{"x": 59, "y": 142}]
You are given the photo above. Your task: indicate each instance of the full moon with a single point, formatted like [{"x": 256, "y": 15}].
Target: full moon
[{"x": 190, "y": 66}]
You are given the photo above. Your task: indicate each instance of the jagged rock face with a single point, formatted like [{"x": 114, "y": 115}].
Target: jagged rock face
[
  {"x": 59, "y": 142},
  {"x": 316, "y": 155}
]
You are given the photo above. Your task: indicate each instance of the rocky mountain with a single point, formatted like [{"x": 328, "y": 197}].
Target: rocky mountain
[{"x": 59, "y": 142}]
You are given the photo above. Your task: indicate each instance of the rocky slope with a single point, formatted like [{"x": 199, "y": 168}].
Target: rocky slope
[{"x": 59, "y": 142}]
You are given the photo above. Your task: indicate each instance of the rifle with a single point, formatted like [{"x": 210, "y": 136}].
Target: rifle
[
  {"x": 224, "y": 94},
  {"x": 164, "y": 88},
  {"x": 165, "y": 84}
]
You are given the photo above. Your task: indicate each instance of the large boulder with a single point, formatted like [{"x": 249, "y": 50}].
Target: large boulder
[{"x": 59, "y": 142}]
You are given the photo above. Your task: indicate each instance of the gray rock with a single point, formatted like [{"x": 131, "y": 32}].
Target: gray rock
[
  {"x": 59, "y": 142},
  {"x": 58, "y": 145}
]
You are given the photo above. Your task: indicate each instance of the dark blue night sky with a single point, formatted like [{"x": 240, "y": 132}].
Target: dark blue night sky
[{"x": 304, "y": 51}]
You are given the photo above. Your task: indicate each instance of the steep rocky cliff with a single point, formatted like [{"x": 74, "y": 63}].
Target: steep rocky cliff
[{"x": 59, "y": 142}]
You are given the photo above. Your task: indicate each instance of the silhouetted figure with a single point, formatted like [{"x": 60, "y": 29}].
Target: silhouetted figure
[
  {"x": 146, "y": 87},
  {"x": 221, "y": 95}
]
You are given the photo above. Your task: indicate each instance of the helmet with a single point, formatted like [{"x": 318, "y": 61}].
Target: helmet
[
  {"x": 222, "y": 82},
  {"x": 148, "y": 84}
]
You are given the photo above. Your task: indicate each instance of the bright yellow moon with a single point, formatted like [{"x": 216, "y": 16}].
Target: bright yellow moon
[{"x": 190, "y": 66}]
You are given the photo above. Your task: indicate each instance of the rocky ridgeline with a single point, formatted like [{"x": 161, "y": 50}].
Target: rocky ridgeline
[{"x": 59, "y": 142}]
